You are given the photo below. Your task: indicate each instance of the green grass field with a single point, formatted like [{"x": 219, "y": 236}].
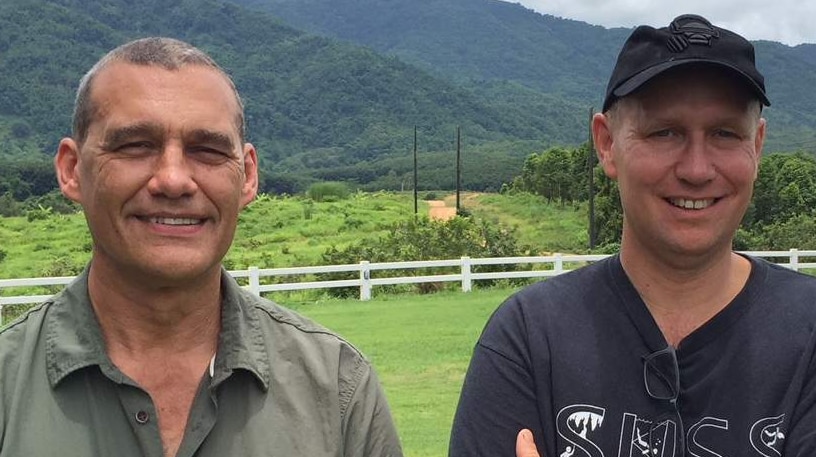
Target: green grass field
[
  {"x": 272, "y": 232},
  {"x": 420, "y": 346},
  {"x": 545, "y": 227},
  {"x": 294, "y": 231}
]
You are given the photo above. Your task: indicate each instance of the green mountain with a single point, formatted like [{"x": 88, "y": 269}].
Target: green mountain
[
  {"x": 477, "y": 40},
  {"x": 314, "y": 105},
  {"x": 340, "y": 100},
  {"x": 468, "y": 39}
]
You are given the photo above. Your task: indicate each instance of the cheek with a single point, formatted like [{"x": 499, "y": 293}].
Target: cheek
[
  {"x": 642, "y": 171},
  {"x": 114, "y": 183},
  {"x": 741, "y": 170},
  {"x": 223, "y": 188}
]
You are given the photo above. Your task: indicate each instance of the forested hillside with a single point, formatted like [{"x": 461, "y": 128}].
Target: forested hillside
[
  {"x": 342, "y": 105},
  {"x": 315, "y": 107},
  {"x": 469, "y": 40},
  {"x": 486, "y": 40}
]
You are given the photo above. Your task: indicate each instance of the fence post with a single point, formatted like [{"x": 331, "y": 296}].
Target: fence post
[
  {"x": 794, "y": 259},
  {"x": 466, "y": 279},
  {"x": 559, "y": 264},
  {"x": 365, "y": 281},
  {"x": 254, "y": 281},
  {"x": 1, "y": 315}
]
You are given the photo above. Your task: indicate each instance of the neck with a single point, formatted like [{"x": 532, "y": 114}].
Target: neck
[
  {"x": 684, "y": 294},
  {"x": 140, "y": 321}
]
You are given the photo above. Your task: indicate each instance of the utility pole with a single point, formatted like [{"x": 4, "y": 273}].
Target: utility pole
[
  {"x": 458, "y": 167},
  {"x": 591, "y": 166},
  {"x": 416, "y": 204}
]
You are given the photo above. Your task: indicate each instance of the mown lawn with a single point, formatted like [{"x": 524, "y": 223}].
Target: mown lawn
[{"x": 420, "y": 346}]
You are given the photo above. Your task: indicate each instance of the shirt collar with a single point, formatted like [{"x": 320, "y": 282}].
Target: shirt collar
[
  {"x": 74, "y": 338},
  {"x": 241, "y": 343}
]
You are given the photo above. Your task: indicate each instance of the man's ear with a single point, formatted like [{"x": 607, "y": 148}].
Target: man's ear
[
  {"x": 603, "y": 140},
  {"x": 66, "y": 164},
  {"x": 250, "y": 187}
]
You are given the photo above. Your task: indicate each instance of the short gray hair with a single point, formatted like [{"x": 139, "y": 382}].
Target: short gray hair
[{"x": 167, "y": 53}]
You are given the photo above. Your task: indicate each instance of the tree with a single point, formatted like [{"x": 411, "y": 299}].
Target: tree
[{"x": 556, "y": 174}]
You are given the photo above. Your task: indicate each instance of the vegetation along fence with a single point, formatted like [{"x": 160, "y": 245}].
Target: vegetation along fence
[{"x": 367, "y": 275}]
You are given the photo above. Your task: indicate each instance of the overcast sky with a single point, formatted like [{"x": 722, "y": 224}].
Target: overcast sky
[{"x": 787, "y": 21}]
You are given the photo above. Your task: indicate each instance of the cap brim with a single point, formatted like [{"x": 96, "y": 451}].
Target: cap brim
[{"x": 633, "y": 83}]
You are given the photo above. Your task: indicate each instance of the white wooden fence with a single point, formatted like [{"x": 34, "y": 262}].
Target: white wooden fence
[{"x": 366, "y": 273}]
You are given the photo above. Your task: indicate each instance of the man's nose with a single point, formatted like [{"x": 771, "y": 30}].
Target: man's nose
[
  {"x": 172, "y": 174},
  {"x": 695, "y": 164}
]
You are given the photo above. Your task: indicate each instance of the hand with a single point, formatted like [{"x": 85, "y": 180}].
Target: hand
[{"x": 525, "y": 446}]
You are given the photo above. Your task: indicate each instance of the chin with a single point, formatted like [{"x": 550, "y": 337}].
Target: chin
[
  {"x": 699, "y": 247},
  {"x": 175, "y": 272}
]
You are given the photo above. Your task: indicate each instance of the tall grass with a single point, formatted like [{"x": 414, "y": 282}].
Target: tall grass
[
  {"x": 328, "y": 191},
  {"x": 547, "y": 227},
  {"x": 278, "y": 232}
]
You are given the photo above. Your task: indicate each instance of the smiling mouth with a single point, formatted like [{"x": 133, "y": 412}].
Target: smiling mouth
[
  {"x": 176, "y": 221},
  {"x": 692, "y": 204}
]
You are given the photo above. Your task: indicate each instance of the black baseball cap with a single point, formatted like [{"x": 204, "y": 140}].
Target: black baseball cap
[{"x": 649, "y": 52}]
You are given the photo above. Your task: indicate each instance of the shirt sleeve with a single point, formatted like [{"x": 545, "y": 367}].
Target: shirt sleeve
[
  {"x": 369, "y": 429},
  {"x": 2, "y": 422},
  {"x": 499, "y": 395}
]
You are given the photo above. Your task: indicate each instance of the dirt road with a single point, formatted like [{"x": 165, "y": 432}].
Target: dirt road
[{"x": 439, "y": 211}]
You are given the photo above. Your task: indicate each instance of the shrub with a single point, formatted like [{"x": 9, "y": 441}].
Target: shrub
[
  {"x": 20, "y": 129},
  {"x": 328, "y": 191},
  {"x": 9, "y": 206},
  {"x": 53, "y": 202},
  {"x": 796, "y": 232},
  {"x": 424, "y": 239},
  {"x": 463, "y": 212},
  {"x": 63, "y": 266},
  {"x": 308, "y": 209},
  {"x": 39, "y": 213}
]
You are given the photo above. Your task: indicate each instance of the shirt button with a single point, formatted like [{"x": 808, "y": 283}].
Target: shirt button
[{"x": 142, "y": 417}]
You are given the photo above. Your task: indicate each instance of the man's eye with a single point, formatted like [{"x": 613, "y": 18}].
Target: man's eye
[
  {"x": 135, "y": 147},
  {"x": 664, "y": 133},
  {"x": 205, "y": 150},
  {"x": 209, "y": 154},
  {"x": 726, "y": 134}
]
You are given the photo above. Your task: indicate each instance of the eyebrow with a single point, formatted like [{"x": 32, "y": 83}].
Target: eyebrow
[
  {"x": 210, "y": 137},
  {"x": 123, "y": 134}
]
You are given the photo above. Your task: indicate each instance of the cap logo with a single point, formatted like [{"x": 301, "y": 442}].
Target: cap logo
[{"x": 690, "y": 29}]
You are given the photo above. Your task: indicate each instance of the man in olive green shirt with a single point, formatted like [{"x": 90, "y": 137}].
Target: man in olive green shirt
[{"x": 154, "y": 350}]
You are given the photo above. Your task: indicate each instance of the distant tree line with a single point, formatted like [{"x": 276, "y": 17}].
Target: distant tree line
[
  {"x": 29, "y": 187},
  {"x": 782, "y": 214}
]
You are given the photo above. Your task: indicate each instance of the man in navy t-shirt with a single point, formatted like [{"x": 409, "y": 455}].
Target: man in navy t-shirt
[{"x": 678, "y": 345}]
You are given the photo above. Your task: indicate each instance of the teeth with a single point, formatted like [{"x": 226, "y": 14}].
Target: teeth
[
  {"x": 691, "y": 204},
  {"x": 174, "y": 221}
]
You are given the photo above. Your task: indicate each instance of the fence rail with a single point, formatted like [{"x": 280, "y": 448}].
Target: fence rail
[{"x": 551, "y": 265}]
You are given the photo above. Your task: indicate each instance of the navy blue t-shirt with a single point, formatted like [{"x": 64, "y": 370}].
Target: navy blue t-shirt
[{"x": 580, "y": 361}]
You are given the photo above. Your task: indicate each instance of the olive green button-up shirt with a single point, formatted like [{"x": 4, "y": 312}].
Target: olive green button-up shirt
[{"x": 281, "y": 386}]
